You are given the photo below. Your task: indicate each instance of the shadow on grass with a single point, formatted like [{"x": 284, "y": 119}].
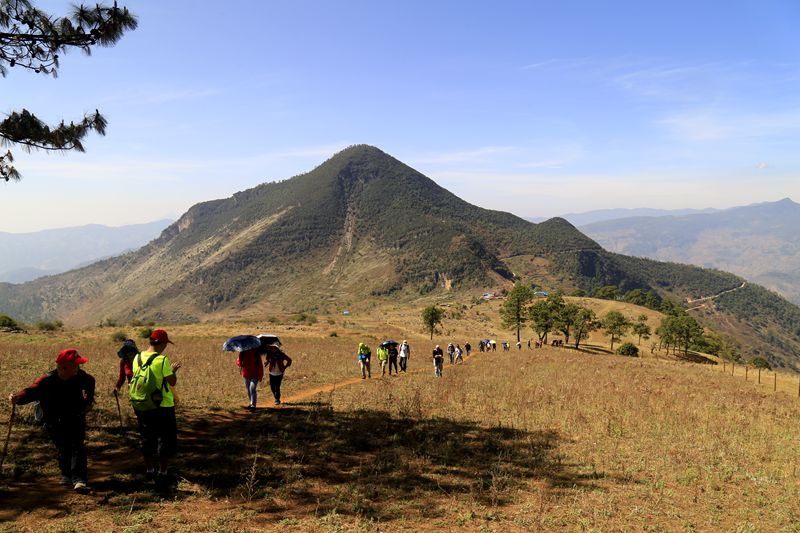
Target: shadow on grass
[{"x": 312, "y": 459}]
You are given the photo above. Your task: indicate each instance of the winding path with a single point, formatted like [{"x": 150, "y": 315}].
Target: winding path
[{"x": 707, "y": 299}]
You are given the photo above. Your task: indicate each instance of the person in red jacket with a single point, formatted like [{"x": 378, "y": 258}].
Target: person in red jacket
[
  {"x": 64, "y": 395},
  {"x": 126, "y": 353},
  {"x": 277, "y": 363},
  {"x": 249, "y": 361}
]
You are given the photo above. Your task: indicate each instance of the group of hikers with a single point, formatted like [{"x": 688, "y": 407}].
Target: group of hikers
[
  {"x": 65, "y": 394},
  {"x": 390, "y": 352}
]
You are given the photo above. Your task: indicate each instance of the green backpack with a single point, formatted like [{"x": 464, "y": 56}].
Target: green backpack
[{"x": 145, "y": 390}]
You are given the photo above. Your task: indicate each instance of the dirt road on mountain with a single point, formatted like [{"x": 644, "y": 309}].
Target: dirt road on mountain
[{"x": 708, "y": 299}]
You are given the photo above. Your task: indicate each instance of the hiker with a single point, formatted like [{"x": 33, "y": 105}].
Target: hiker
[
  {"x": 494, "y": 345},
  {"x": 64, "y": 395},
  {"x": 458, "y": 354},
  {"x": 438, "y": 361},
  {"x": 481, "y": 345},
  {"x": 249, "y": 362},
  {"x": 519, "y": 345},
  {"x": 467, "y": 348},
  {"x": 154, "y": 404},
  {"x": 392, "y": 348},
  {"x": 450, "y": 351},
  {"x": 529, "y": 344},
  {"x": 405, "y": 353},
  {"x": 383, "y": 357},
  {"x": 126, "y": 353},
  {"x": 364, "y": 355},
  {"x": 277, "y": 362}
]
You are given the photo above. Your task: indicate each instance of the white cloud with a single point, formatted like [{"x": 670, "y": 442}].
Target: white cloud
[{"x": 716, "y": 124}]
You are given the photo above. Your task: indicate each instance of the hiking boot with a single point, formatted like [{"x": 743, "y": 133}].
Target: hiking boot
[
  {"x": 66, "y": 481},
  {"x": 150, "y": 475},
  {"x": 80, "y": 487},
  {"x": 277, "y": 402},
  {"x": 251, "y": 408}
]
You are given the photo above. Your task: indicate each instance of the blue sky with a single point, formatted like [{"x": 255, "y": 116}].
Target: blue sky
[{"x": 537, "y": 108}]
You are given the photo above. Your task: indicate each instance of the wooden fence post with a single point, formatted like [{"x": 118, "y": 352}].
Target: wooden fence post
[
  {"x": 733, "y": 368},
  {"x": 724, "y": 368},
  {"x": 759, "y": 375},
  {"x": 746, "y": 371},
  {"x": 775, "y": 382}
]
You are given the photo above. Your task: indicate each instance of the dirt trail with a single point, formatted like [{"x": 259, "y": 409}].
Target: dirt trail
[{"x": 707, "y": 299}]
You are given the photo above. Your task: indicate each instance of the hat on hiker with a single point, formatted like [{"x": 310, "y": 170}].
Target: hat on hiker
[
  {"x": 70, "y": 355},
  {"x": 159, "y": 336},
  {"x": 128, "y": 348}
]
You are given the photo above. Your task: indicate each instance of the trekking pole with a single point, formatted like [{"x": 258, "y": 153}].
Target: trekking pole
[
  {"x": 119, "y": 411},
  {"x": 8, "y": 435}
]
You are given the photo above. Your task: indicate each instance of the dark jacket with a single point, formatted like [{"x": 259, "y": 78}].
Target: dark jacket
[
  {"x": 60, "y": 400},
  {"x": 283, "y": 360}
]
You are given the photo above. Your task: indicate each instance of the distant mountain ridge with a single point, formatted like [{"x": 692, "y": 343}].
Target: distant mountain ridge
[
  {"x": 759, "y": 242},
  {"x": 27, "y": 256},
  {"x": 359, "y": 229},
  {"x": 600, "y": 215}
]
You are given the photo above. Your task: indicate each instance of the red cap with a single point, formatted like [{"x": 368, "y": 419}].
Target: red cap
[
  {"x": 70, "y": 355},
  {"x": 159, "y": 336}
]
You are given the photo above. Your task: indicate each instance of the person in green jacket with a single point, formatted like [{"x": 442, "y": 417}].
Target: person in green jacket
[
  {"x": 364, "y": 355},
  {"x": 383, "y": 357}
]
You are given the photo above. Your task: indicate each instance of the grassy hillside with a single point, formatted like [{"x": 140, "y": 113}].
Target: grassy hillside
[{"x": 531, "y": 440}]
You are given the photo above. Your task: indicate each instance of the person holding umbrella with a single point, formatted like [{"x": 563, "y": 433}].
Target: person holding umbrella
[
  {"x": 65, "y": 394},
  {"x": 392, "y": 349},
  {"x": 250, "y": 364},
  {"x": 277, "y": 362},
  {"x": 249, "y": 348}
]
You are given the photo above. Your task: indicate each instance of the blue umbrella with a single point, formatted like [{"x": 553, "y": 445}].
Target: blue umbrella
[
  {"x": 241, "y": 343},
  {"x": 389, "y": 343}
]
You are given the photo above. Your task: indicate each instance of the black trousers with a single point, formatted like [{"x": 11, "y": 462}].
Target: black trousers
[
  {"x": 158, "y": 431},
  {"x": 393, "y": 361},
  {"x": 275, "y": 386},
  {"x": 403, "y": 363},
  {"x": 68, "y": 436}
]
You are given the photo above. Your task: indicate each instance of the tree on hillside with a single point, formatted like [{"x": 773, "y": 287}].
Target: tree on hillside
[
  {"x": 683, "y": 329},
  {"x": 566, "y": 318},
  {"x": 544, "y": 314},
  {"x": 585, "y": 323},
  {"x": 432, "y": 317},
  {"x": 641, "y": 328},
  {"x": 606, "y": 292},
  {"x": 31, "y": 39},
  {"x": 514, "y": 312},
  {"x": 616, "y": 325}
]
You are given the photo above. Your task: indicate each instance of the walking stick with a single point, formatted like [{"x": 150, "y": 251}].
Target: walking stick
[
  {"x": 8, "y": 435},
  {"x": 119, "y": 411}
]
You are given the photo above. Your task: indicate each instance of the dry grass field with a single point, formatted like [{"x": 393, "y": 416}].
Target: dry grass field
[{"x": 530, "y": 440}]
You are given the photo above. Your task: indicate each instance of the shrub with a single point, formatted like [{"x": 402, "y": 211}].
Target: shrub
[
  {"x": 333, "y": 334},
  {"x": 7, "y": 322},
  {"x": 119, "y": 336},
  {"x": 144, "y": 333},
  {"x": 49, "y": 325},
  {"x": 760, "y": 362},
  {"x": 628, "y": 349}
]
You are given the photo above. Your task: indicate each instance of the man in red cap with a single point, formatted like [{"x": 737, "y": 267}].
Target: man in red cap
[
  {"x": 64, "y": 395},
  {"x": 156, "y": 413}
]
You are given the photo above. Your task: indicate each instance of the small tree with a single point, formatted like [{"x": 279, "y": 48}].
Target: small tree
[
  {"x": 641, "y": 328},
  {"x": 760, "y": 362},
  {"x": 544, "y": 315},
  {"x": 585, "y": 323},
  {"x": 616, "y": 325},
  {"x": 606, "y": 292},
  {"x": 513, "y": 312},
  {"x": 431, "y": 318}
]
